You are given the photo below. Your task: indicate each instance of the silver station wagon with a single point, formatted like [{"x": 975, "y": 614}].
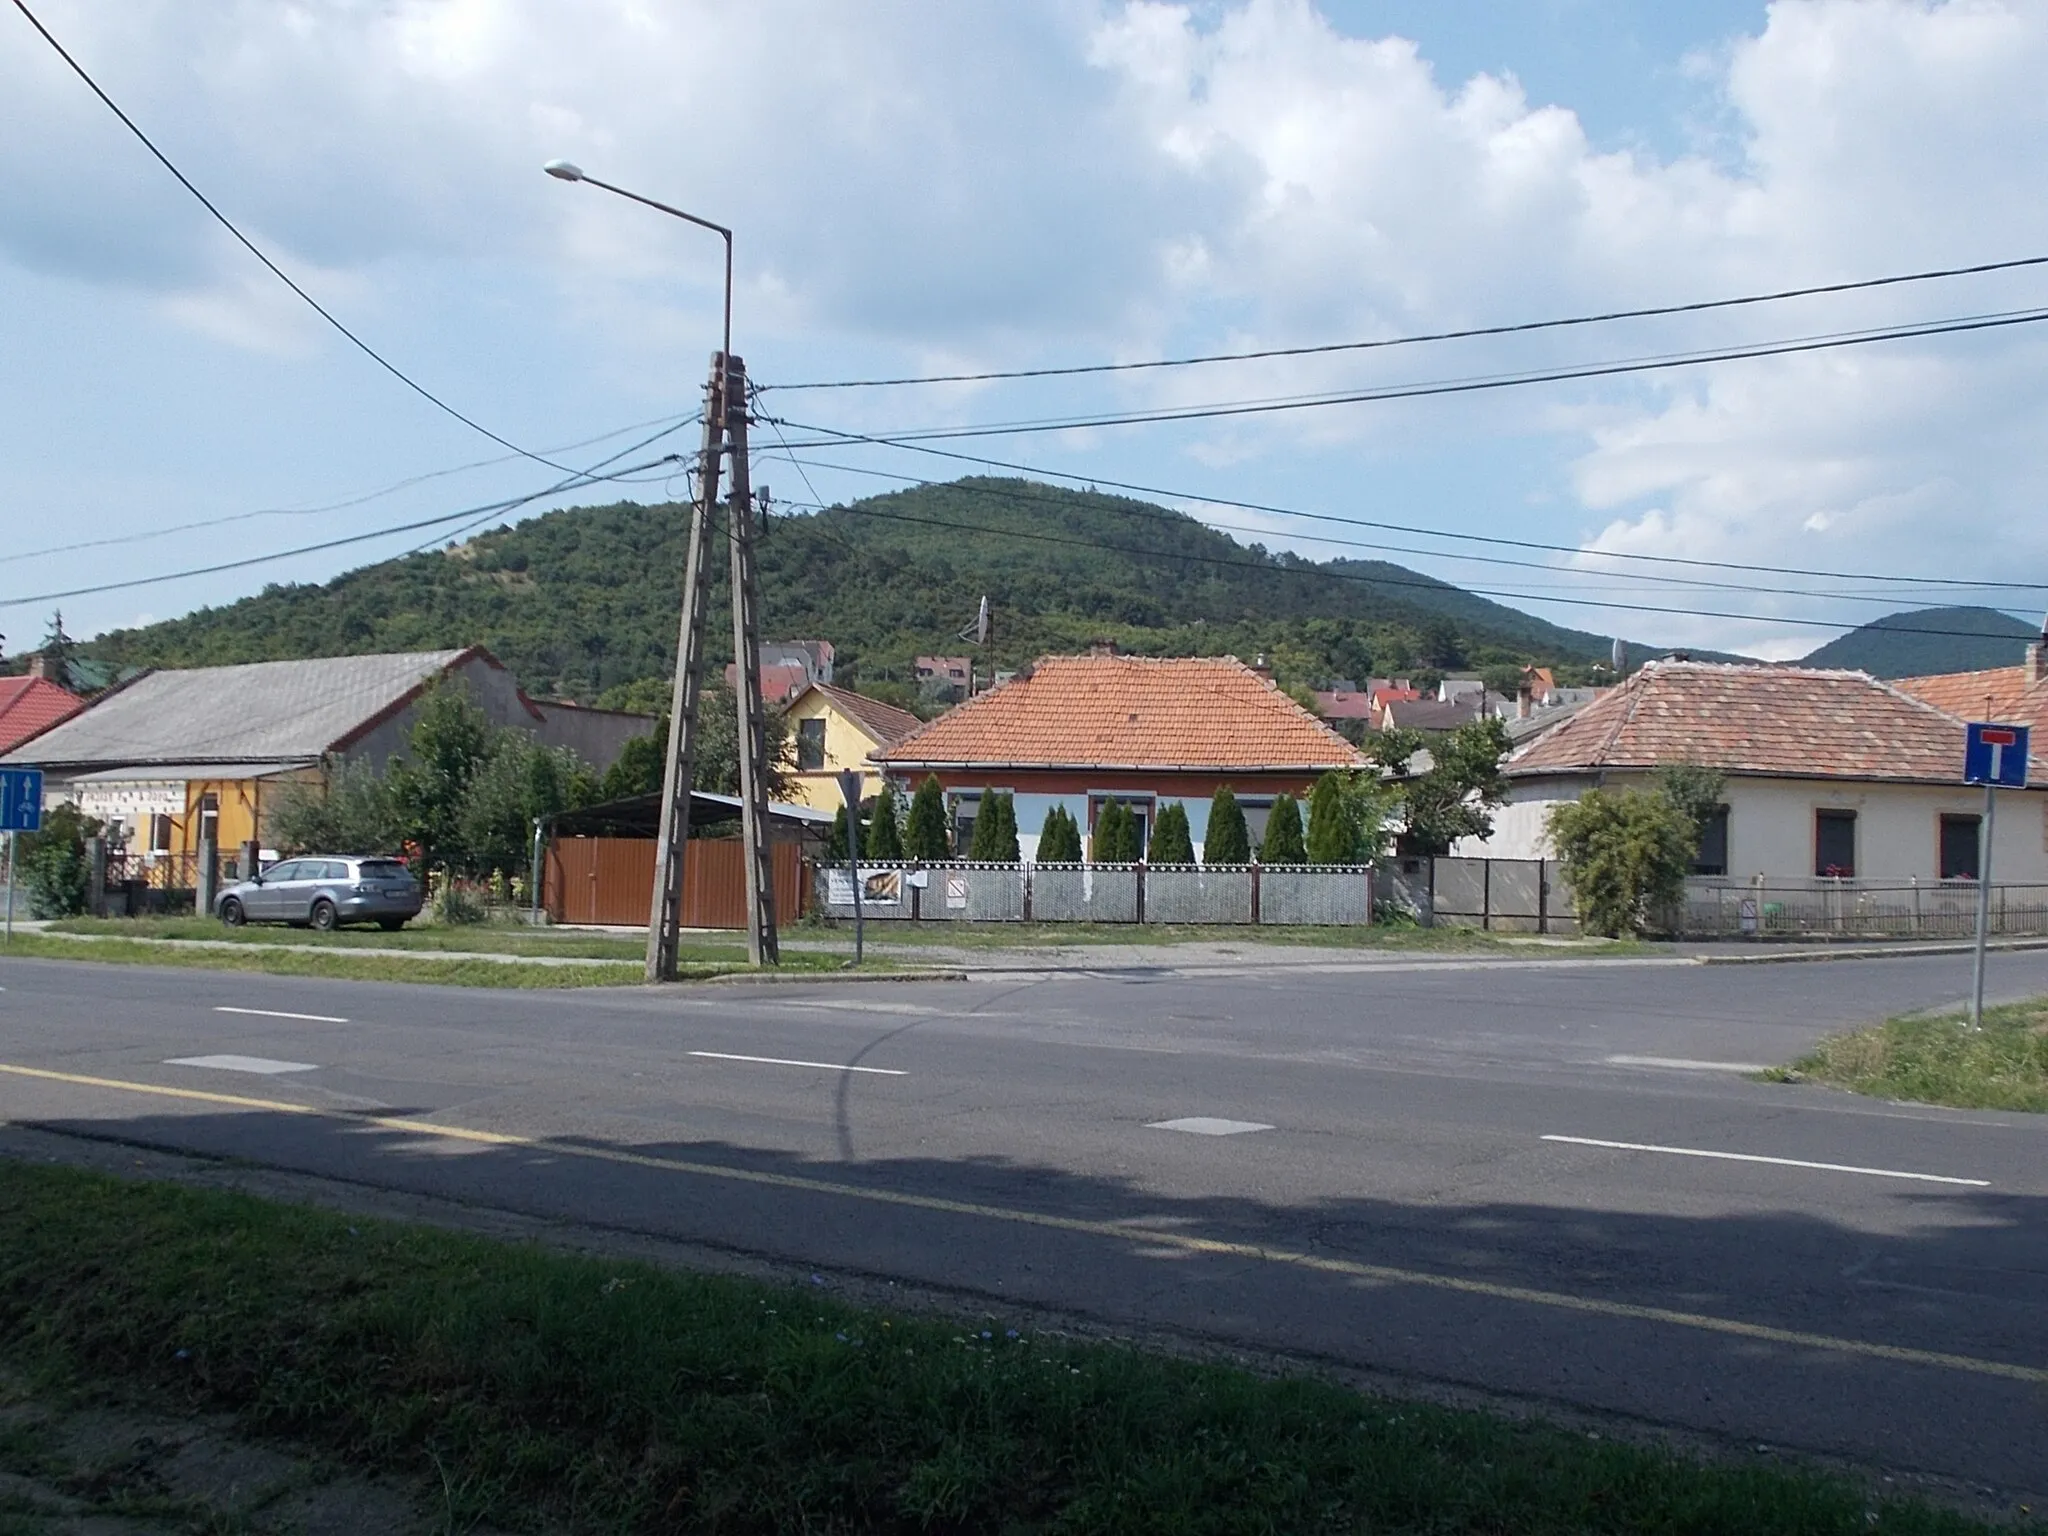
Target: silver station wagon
[{"x": 324, "y": 892}]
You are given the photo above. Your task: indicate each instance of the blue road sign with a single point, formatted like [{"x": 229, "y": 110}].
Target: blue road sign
[
  {"x": 1996, "y": 754},
  {"x": 21, "y": 799}
]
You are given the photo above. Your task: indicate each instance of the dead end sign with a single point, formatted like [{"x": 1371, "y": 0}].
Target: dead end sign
[{"x": 1996, "y": 755}]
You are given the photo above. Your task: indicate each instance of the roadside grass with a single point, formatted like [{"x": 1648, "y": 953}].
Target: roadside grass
[
  {"x": 478, "y": 940},
  {"x": 1367, "y": 936},
  {"x": 452, "y": 972},
  {"x": 544, "y": 1390},
  {"x": 1940, "y": 1060}
]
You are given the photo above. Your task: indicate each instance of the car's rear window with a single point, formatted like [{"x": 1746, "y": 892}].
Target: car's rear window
[{"x": 383, "y": 869}]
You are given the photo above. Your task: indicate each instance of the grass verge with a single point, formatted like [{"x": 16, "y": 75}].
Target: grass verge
[
  {"x": 341, "y": 965},
  {"x": 477, "y": 940},
  {"x": 553, "y": 1391},
  {"x": 1940, "y": 1060},
  {"x": 1365, "y": 936}
]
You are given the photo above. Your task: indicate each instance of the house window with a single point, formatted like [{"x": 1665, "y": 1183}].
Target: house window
[
  {"x": 810, "y": 745},
  {"x": 1959, "y": 852},
  {"x": 159, "y": 834},
  {"x": 1140, "y": 806},
  {"x": 965, "y": 809},
  {"x": 1712, "y": 858},
  {"x": 1258, "y": 809},
  {"x": 1834, "y": 843}
]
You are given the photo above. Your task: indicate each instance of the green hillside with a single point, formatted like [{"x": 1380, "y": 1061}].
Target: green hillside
[
  {"x": 583, "y": 601},
  {"x": 1892, "y": 646}
]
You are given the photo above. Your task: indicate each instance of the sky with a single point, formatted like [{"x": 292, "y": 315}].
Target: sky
[{"x": 949, "y": 186}]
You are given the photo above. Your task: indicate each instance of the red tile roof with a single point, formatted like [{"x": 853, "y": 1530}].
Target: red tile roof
[
  {"x": 1177, "y": 713},
  {"x": 2002, "y": 694},
  {"x": 1343, "y": 704},
  {"x": 1793, "y": 721},
  {"x": 30, "y": 706},
  {"x": 885, "y": 722}
]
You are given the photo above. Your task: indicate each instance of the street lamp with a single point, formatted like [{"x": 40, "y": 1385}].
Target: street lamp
[
  {"x": 564, "y": 170},
  {"x": 725, "y": 435}
]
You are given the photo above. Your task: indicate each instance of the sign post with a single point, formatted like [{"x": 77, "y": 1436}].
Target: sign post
[
  {"x": 849, "y": 790},
  {"x": 21, "y": 810},
  {"x": 1996, "y": 757}
]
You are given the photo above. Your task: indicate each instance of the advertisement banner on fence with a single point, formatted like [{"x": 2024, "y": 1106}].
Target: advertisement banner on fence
[{"x": 884, "y": 887}]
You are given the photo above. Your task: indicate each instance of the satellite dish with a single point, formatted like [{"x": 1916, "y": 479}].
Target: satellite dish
[
  {"x": 983, "y": 625},
  {"x": 1619, "y": 655}
]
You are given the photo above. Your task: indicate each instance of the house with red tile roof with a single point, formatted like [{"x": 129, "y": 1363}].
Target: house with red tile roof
[
  {"x": 1827, "y": 773},
  {"x": 833, "y": 729},
  {"x": 1082, "y": 731},
  {"x": 31, "y": 705},
  {"x": 2009, "y": 695}
]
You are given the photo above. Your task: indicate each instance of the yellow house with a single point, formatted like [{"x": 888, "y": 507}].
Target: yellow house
[{"x": 831, "y": 729}]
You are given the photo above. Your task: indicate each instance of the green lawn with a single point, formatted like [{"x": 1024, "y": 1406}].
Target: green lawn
[
  {"x": 453, "y": 971},
  {"x": 475, "y": 940},
  {"x": 1941, "y": 1060},
  {"x": 542, "y": 1390}
]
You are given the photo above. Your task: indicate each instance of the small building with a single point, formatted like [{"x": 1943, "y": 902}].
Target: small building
[
  {"x": 2008, "y": 695},
  {"x": 30, "y": 705},
  {"x": 1828, "y": 773},
  {"x": 171, "y": 754},
  {"x": 1082, "y": 731},
  {"x": 947, "y": 678},
  {"x": 788, "y": 667},
  {"x": 834, "y": 729}
]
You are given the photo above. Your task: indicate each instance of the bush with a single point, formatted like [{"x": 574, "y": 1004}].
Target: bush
[
  {"x": 995, "y": 830},
  {"x": 1171, "y": 841},
  {"x": 453, "y": 904},
  {"x": 53, "y": 868},
  {"x": 1625, "y": 854},
  {"x": 1283, "y": 843},
  {"x": 1059, "y": 840},
  {"x": 1229, "y": 840},
  {"x": 926, "y": 836}
]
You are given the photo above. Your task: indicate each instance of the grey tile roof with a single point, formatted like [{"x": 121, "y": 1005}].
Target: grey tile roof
[{"x": 266, "y": 710}]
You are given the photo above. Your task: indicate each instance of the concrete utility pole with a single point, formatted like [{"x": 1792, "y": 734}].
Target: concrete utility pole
[{"x": 725, "y": 432}]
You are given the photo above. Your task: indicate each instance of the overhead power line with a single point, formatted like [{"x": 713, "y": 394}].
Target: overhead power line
[
  {"x": 1511, "y": 329},
  {"x": 278, "y": 272},
  {"x": 577, "y": 479},
  {"x": 1481, "y": 383},
  {"x": 1162, "y": 514},
  {"x": 1311, "y": 571},
  {"x": 12, "y": 556},
  {"x": 845, "y": 438}
]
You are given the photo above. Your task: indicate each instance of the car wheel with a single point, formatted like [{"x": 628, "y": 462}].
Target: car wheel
[
  {"x": 391, "y": 924},
  {"x": 232, "y": 914},
  {"x": 325, "y": 918}
]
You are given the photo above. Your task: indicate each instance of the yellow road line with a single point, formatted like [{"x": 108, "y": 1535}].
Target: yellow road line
[{"x": 1123, "y": 1231}]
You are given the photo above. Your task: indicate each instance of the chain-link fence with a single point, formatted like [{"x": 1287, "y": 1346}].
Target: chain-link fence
[{"x": 1821, "y": 907}]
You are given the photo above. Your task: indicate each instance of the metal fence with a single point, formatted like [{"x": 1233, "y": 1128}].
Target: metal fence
[
  {"x": 1101, "y": 893},
  {"x": 1500, "y": 895},
  {"x": 1820, "y": 907}
]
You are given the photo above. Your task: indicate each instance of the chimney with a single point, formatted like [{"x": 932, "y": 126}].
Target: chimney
[
  {"x": 40, "y": 666},
  {"x": 1523, "y": 697},
  {"x": 2037, "y": 657},
  {"x": 1102, "y": 648}
]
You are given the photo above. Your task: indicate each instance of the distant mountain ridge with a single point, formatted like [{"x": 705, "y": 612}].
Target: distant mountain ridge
[
  {"x": 582, "y": 602},
  {"x": 1898, "y": 645}
]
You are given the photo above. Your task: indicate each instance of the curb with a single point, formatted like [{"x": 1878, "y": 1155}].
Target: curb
[
  {"x": 1888, "y": 952},
  {"x": 815, "y": 978}
]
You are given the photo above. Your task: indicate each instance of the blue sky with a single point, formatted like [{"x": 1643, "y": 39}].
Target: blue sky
[{"x": 944, "y": 187}]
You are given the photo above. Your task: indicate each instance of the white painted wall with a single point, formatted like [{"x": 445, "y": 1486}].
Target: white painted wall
[{"x": 1771, "y": 825}]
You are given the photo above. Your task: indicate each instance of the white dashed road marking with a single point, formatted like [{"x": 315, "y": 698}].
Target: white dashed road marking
[
  {"x": 263, "y": 1066},
  {"x": 1206, "y": 1125},
  {"x": 821, "y": 1066},
  {"x": 1781, "y": 1162},
  {"x": 272, "y": 1013}
]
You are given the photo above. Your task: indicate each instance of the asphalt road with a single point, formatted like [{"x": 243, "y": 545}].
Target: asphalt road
[{"x": 1423, "y": 1188}]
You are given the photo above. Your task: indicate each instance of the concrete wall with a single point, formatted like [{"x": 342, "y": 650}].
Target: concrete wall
[{"x": 1771, "y": 825}]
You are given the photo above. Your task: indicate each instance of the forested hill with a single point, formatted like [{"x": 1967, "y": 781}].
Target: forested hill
[
  {"x": 582, "y": 601},
  {"x": 1930, "y": 640}
]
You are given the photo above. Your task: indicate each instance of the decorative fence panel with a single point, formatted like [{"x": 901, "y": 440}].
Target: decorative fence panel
[
  {"x": 1219, "y": 895},
  {"x": 1821, "y": 908},
  {"x": 1315, "y": 894},
  {"x": 1078, "y": 893}
]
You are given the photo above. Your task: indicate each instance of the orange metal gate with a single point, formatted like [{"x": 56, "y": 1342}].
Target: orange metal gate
[{"x": 610, "y": 880}]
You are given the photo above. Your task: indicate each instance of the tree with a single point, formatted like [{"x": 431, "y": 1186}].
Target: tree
[
  {"x": 1059, "y": 841},
  {"x": 925, "y": 836},
  {"x": 1625, "y": 854},
  {"x": 53, "y": 865},
  {"x": 995, "y": 830},
  {"x": 640, "y": 768},
  {"x": 1456, "y": 797},
  {"x": 1441, "y": 645},
  {"x": 519, "y": 782},
  {"x": 1229, "y": 840},
  {"x": 1333, "y": 831},
  {"x": 884, "y": 842},
  {"x": 835, "y": 840},
  {"x": 353, "y": 812},
  {"x": 59, "y": 651},
  {"x": 450, "y": 740},
  {"x": 1116, "y": 835},
  {"x": 1282, "y": 844},
  {"x": 1171, "y": 841}
]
